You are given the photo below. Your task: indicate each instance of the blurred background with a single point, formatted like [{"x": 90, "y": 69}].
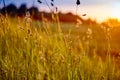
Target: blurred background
[{"x": 95, "y": 9}]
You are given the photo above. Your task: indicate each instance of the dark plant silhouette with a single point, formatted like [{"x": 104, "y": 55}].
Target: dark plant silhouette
[
  {"x": 11, "y": 9},
  {"x": 78, "y": 2},
  {"x": 22, "y": 10},
  {"x": 51, "y": 6},
  {"x": 33, "y": 11},
  {"x": 84, "y": 15},
  {"x": 4, "y": 3},
  {"x": 40, "y": 1},
  {"x": 52, "y": 2},
  {"x": 4, "y": 6}
]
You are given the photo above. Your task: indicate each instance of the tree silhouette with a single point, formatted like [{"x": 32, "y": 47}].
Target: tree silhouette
[
  {"x": 33, "y": 10},
  {"x": 11, "y": 9},
  {"x": 22, "y": 10},
  {"x": 4, "y": 6}
]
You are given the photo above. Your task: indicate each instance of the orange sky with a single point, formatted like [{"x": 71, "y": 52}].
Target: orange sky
[
  {"x": 96, "y": 9},
  {"x": 97, "y": 12}
]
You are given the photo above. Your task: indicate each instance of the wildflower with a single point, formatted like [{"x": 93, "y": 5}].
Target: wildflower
[
  {"x": 89, "y": 31},
  {"x": 79, "y": 22},
  {"x": 27, "y": 17},
  {"x": 102, "y": 27},
  {"x": 42, "y": 56},
  {"x": 27, "y": 14}
]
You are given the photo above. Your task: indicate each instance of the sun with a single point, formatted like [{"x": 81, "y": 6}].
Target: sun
[{"x": 116, "y": 11}]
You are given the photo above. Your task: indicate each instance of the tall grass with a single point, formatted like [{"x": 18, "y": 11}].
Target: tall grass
[{"x": 32, "y": 51}]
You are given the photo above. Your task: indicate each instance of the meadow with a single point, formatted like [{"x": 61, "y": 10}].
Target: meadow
[{"x": 52, "y": 50}]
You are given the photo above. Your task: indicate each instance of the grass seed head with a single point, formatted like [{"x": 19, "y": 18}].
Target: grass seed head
[
  {"x": 40, "y": 1},
  {"x": 25, "y": 39},
  {"x": 84, "y": 15},
  {"x": 52, "y": 0},
  {"x": 28, "y": 31},
  {"x": 20, "y": 27},
  {"x": 89, "y": 31},
  {"x": 52, "y": 4},
  {"x": 31, "y": 34},
  {"x": 56, "y": 9},
  {"x": 27, "y": 14},
  {"x": 78, "y": 2}
]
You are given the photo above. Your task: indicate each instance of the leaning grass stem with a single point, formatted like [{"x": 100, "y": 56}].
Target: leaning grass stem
[
  {"x": 5, "y": 7},
  {"x": 48, "y": 5}
]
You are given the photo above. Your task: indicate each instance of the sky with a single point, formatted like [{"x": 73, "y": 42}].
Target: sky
[{"x": 96, "y": 9}]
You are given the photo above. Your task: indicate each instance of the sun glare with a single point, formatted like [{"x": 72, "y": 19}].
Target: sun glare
[{"x": 116, "y": 11}]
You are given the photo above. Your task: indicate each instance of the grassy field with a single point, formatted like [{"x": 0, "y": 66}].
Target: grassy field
[{"x": 33, "y": 50}]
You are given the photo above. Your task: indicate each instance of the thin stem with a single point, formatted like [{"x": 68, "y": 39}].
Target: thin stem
[
  {"x": 76, "y": 12},
  {"x": 33, "y": 3},
  {"x": 33, "y": 7},
  {"x": 76, "y": 9},
  {"x": 48, "y": 5},
  {"x": 5, "y": 7},
  {"x": 4, "y": 3}
]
